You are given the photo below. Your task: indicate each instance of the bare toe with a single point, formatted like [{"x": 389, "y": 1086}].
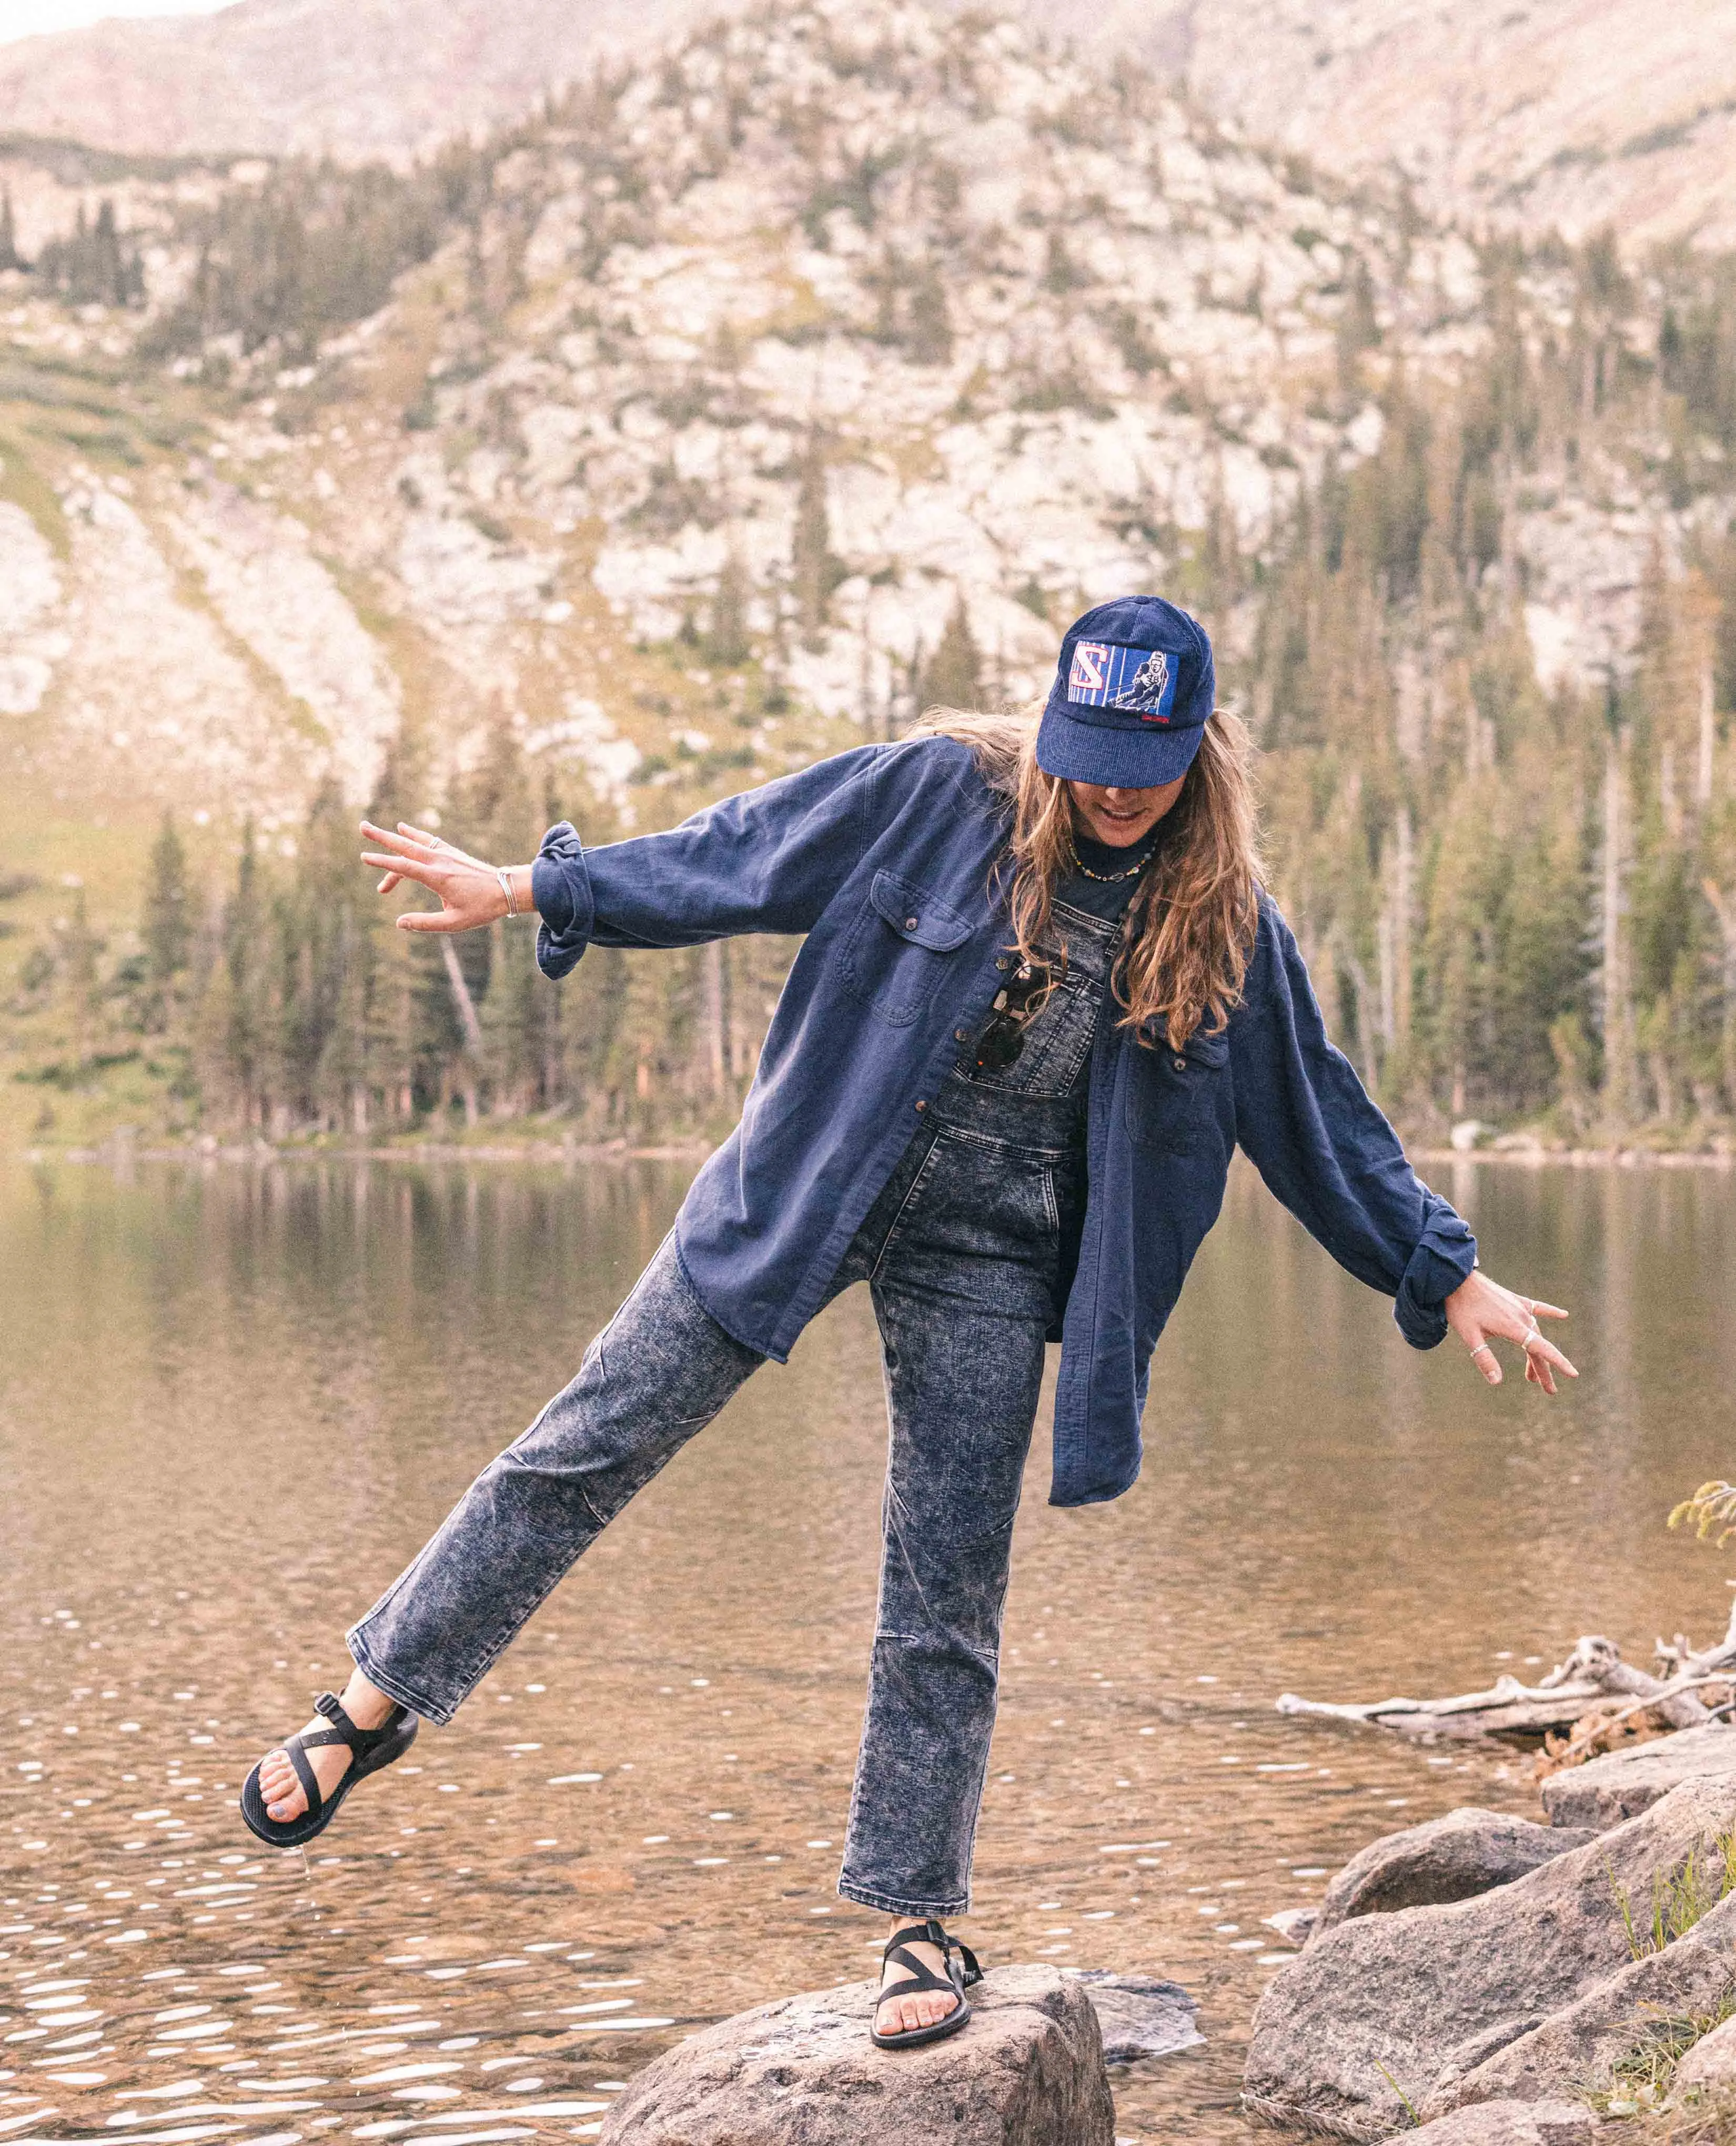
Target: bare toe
[
  {"x": 903, "y": 2010},
  {"x": 281, "y": 1790},
  {"x": 280, "y": 1785}
]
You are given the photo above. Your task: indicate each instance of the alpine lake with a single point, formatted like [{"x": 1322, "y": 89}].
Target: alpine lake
[{"x": 236, "y": 1398}]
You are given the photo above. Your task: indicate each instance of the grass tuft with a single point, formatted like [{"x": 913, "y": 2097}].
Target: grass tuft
[
  {"x": 1709, "y": 2120},
  {"x": 1679, "y": 1897},
  {"x": 1410, "y": 2110},
  {"x": 1640, "y": 2081}
]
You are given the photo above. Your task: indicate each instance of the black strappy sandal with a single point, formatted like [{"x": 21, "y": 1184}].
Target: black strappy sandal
[
  {"x": 371, "y": 1750},
  {"x": 960, "y": 1973}
]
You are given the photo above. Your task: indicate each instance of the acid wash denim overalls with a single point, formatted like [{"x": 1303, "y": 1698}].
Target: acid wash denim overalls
[{"x": 967, "y": 1255}]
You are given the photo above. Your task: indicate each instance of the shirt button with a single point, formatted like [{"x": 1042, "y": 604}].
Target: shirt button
[
  {"x": 911, "y": 922},
  {"x": 961, "y": 1035},
  {"x": 1003, "y": 965},
  {"x": 1180, "y": 1063},
  {"x": 922, "y": 1106}
]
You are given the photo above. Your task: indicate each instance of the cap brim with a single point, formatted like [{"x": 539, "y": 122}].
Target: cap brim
[{"x": 1115, "y": 757}]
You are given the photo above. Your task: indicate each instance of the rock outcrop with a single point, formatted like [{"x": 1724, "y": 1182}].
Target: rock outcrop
[
  {"x": 1580, "y": 2044},
  {"x": 1454, "y": 1858},
  {"x": 1392, "y": 2013},
  {"x": 1511, "y": 2124},
  {"x": 1709, "y": 2067},
  {"x": 1533, "y": 117},
  {"x": 1140, "y": 2015},
  {"x": 1605, "y": 1791},
  {"x": 1027, "y": 2070}
]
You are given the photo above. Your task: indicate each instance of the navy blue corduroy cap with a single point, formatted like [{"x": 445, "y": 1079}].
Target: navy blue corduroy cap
[{"x": 1131, "y": 695}]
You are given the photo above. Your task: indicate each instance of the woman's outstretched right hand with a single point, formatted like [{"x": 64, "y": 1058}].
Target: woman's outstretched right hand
[{"x": 470, "y": 890}]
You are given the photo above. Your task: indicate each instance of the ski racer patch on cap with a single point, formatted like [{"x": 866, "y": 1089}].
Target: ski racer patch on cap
[{"x": 1107, "y": 674}]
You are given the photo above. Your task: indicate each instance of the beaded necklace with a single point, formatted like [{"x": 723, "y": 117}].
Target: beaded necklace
[{"x": 1109, "y": 879}]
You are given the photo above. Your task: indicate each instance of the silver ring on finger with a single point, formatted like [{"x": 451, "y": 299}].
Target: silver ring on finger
[{"x": 1483, "y": 1349}]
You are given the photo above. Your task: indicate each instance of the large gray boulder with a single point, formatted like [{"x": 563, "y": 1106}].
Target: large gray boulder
[
  {"x": 1453, "y": 1858},
  {"x": 1606, "y": 1791},
  {"x": 1027, "y": 2070},
  {"x": 1709, "y": 2067},
  {"x": 1580, "y": 2045},
  {"x": 1392, "y": 2011},
  {"x": 1511, "y": 2123}
]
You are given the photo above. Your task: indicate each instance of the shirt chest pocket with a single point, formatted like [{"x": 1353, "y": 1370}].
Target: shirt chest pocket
[
  {"x": 1175, "y": 1096},
  {"x": 893, "y": 956}
]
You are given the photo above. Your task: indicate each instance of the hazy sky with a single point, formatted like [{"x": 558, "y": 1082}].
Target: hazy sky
[{"x": 24, "y": 18}]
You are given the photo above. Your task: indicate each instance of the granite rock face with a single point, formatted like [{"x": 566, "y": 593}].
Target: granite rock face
[
  {"x": 1027, "y": 2070},
  {"x": 1405, "y": 2007},
  {"x": 1453, "y": 1858},
  {"x": 1605, "y": 1791},
  {"x": 1581, "y": 2044},
  {"x": 1709, "y": 2067},
  {"x": 1511, "y": 2124}
]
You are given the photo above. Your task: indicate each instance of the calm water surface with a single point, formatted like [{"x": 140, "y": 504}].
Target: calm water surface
[{"x": 232, "y": 1403}]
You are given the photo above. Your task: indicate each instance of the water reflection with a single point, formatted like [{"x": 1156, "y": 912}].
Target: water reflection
[{"x": 232, "y": 1401}]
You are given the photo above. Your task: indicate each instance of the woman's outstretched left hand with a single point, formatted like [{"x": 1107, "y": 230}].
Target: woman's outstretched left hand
[{"x": 1480, "y": 1311}]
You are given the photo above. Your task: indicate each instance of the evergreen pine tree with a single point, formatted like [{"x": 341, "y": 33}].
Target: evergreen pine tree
[
  {"x": 244, "y": 1043},
  {"x": 82, "y": 978},
  {"x": 952, "y": 677},
  {"x": 810, "y": 558},
  {"x": 166, "y": 926},
  {"x": 727, "y": 642},
  {"x": 930, "y": 339}
]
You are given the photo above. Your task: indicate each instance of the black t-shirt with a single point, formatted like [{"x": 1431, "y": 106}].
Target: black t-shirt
[{"x": 1107, "y": 895}]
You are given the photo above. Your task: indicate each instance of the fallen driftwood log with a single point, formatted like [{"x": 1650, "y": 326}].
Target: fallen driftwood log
[{"x": 1594, "y": 1698}]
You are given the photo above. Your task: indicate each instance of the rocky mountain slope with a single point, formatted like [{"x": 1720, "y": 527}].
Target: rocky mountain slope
[
  {"x": 354, "y": 77},
  {"x": 1557, "y": 112},
  {"x": 831, "y": 321},
  {"x": 1546, "y": 114},
  {"x": 750, "y": 397}
]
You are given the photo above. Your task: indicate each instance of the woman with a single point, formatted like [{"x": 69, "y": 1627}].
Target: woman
[{"x": 1041, "y": 996}]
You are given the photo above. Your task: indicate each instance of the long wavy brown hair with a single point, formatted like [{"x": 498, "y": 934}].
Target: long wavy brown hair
[{"x": 1189, "y": 928}]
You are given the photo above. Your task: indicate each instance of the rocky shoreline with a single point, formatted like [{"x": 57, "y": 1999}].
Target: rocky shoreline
[
  {"x": 120, "y": 1146},
  {"x": 1482, "y": 1980},
  {"x": 1498, "y": 1981}
]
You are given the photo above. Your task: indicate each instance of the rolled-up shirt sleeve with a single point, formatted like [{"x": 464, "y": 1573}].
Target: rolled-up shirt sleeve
[
  {"x": 767, "y": 861},
  {"x": 561, "y": 888},
  {"x": 1325, "y": 1149}
]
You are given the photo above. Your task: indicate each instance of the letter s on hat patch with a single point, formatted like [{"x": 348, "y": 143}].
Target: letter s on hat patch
[{"x": 1107, "y": 674}]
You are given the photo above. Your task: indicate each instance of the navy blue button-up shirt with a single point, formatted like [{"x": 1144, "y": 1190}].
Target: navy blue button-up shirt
[{"x": 885, "y": 858}]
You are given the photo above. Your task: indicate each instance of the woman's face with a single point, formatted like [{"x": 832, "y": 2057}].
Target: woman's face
[{"x": 1118, "y": 817}]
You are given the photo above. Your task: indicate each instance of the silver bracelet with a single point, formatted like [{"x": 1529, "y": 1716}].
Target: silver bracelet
[{"x": 505, "y": 878}]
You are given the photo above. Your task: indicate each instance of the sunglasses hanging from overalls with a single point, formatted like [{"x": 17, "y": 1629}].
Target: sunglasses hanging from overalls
[
  {"x": 1026, "y": 993},
  {"x": 1032, "y": 986}
]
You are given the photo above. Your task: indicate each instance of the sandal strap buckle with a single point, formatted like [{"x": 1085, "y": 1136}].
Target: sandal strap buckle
[
  {"x": 332, "y": 1706},
  {"x": 358, "y": 1739}
]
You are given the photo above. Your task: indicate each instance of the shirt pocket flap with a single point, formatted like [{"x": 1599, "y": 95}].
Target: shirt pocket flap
[
  {"x": 1207, "y": 1052},
  {"x": 914, "y": 913}
]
